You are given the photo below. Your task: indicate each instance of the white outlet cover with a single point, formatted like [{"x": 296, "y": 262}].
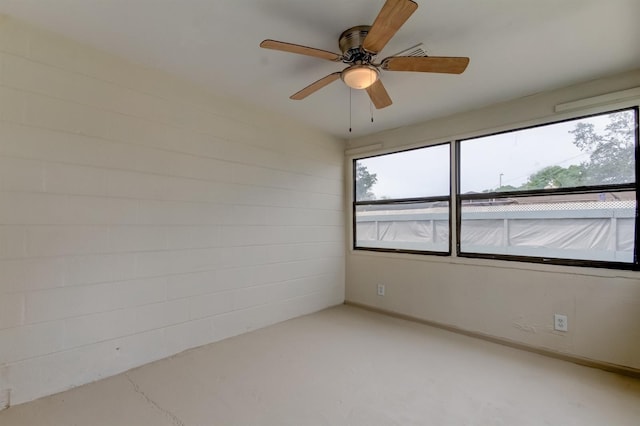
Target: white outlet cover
[
  {"x": 560, "y": 322},
  {"x": 380, "y": 289}
]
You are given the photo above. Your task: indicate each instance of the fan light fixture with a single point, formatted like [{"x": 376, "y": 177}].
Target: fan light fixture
[
  {"x": 359, "y": 76},
  {"x": 360, "y": 46}
]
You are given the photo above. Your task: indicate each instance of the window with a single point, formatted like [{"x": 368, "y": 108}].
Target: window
[
  {"x": 560, "y": 193},
  {"x": 401, "y": 201}
]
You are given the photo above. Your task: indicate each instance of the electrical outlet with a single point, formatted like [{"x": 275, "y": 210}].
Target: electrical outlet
[
  {"x": 380, "y": 289},
  {"x": 560, "y": 322}
]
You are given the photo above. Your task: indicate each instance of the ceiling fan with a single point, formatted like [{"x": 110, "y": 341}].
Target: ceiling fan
[{"x": 361, "y": 44}]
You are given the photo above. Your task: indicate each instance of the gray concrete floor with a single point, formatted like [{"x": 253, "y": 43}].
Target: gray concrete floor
[{"x": 346, "y": 366}]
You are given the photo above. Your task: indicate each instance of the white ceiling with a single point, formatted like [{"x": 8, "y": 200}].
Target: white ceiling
[{"x": 517, "y": 47}]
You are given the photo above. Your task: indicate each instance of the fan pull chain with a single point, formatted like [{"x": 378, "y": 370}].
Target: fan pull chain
[
  {"x": 370, "y": 102},
  {"x": 371, "y": 110},
  {"x": 350, "y": 109}
]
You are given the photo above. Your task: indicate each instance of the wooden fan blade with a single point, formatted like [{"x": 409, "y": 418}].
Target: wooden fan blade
[
  {"x": 441, "y": 64},
  {"x": 314, "y": 87},
  {"x": 392, "y": 16},
  {"x": 379, "y": 95},
  {"x": 301, "y": 50}
]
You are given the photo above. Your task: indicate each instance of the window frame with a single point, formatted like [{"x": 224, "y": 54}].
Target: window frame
[
  {"x": 398, "y": 201},
  {"x": 634, "y": 187},
  {"x": 455, "y": 198}
]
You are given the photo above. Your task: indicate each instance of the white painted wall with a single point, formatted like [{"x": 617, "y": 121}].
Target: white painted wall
[
  {"x": 140, "y": 216},
  {"x": 509, "y": 300}
]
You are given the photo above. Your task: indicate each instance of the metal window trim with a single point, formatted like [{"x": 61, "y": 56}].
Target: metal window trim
[
  {"x": 456, "y": 197},
  {"x": 635, "y": 186},
  {"x": 591, "y": 189}
]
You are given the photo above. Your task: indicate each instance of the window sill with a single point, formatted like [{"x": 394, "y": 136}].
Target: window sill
[{"x": 501, "y": 264}]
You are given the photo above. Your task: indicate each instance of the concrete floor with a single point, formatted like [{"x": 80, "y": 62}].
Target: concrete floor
[{"x": 346, "y": 366}]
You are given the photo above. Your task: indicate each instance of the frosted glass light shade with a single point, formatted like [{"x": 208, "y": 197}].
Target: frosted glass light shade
[{"x": 360, "y": 76}]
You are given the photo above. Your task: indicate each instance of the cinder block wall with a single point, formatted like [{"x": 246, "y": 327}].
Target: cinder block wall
[{"x": 140, "y": 216}]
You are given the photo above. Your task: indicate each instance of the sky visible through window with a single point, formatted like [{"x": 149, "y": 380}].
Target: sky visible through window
[
  {"x": 410, "y": 174},
  {"x": 486, "y": 162},
  {"x": 510, "y": 158}
]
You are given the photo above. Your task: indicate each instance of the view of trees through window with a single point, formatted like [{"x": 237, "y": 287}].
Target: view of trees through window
[
  {"x": 590, "y": 151},
  {"x": 564, "y": 190},
  {"x": 610, "y": 157},
  {"x": 364, "y": 182},
  {"x": 606, "y": 157}
]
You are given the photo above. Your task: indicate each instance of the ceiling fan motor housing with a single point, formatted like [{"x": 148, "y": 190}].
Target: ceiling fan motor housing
[
  {"x": 362, "y": 72},
  {"x": 350, "y": 43}
]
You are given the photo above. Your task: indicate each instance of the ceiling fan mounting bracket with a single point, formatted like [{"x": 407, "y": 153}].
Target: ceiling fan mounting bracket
[{"x": 350, "y": 43}]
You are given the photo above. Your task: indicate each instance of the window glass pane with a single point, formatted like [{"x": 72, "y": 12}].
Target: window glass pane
[
  {"x": 574, "y": 226},
  {"x": 415, "y": 226},
  {"x": 417, "y": 173},
  {"x": 596, "y": 150}
]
